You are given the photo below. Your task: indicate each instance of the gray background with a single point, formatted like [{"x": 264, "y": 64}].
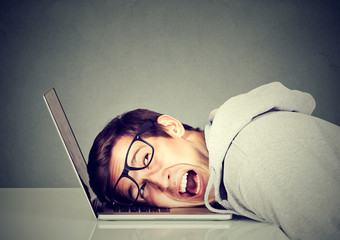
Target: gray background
[{"x": 182, "y": 58}]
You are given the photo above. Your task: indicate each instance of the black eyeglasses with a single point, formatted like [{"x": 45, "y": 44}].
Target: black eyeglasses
[{"x": 139, "y": 156}]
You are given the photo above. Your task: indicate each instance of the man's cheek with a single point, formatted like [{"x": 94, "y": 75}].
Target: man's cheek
[{"x": 159, "y": 199}]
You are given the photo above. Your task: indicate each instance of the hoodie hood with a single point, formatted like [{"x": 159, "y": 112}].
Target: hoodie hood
[{"x": 229, "y": 119}]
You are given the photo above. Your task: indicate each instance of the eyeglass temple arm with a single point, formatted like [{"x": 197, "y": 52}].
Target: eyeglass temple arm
[{"x": 145, "y": 127}]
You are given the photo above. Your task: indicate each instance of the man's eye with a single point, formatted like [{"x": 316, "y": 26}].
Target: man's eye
[
  {"x": 146, "y": 160},
  {"x": 143, "y": 160},
  {"x": 142, "y": 190}
]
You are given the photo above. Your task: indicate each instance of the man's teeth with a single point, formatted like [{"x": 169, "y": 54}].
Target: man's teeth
[
  {"x": 198, "y": 185},
  {"x": 185, "y": 181}
]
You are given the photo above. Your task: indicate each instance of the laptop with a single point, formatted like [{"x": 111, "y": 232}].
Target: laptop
[{"x": 104, "y": 211}]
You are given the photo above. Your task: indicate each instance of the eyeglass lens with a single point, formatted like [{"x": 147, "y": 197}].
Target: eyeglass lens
[{"x": 139, "y": 156}]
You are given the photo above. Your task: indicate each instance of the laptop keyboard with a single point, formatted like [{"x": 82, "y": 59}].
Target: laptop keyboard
[{"x": 136, "y": 209}]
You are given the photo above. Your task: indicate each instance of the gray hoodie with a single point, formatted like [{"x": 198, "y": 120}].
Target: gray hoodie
[{"x": 271, "y": 161}]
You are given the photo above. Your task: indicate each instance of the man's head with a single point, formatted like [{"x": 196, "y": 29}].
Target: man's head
[{"x": 178, "y": 173}]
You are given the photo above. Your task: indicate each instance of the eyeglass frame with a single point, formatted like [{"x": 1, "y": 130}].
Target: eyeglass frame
[{"x": 125, "y": 174}]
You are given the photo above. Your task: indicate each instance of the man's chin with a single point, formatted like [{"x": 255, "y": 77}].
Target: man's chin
[{"x": 188, "y": 202}]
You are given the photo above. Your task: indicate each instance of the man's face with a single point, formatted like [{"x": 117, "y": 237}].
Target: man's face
[{"x": 178, "y": 174}]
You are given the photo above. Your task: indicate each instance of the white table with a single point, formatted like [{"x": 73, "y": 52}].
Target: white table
[{"x": 42, "y": 213}]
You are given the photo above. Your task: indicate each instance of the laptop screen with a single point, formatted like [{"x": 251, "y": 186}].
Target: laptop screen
[{"x": 69, "y": 140}]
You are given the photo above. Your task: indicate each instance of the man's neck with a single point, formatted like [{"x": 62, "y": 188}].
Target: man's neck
[{"x": 197, "y": 138}]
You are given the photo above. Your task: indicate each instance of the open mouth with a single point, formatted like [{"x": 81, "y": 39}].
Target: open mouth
[{"x": 190, "y": 184}]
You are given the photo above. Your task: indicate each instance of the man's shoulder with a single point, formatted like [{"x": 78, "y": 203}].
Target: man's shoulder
[{"x": 276, "y": 127}]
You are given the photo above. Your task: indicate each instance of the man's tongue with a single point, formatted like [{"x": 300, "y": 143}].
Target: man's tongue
[{"x": 192, "y": 183}]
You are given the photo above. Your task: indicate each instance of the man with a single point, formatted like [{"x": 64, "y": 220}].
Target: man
[{"x": 261, "y": 156}]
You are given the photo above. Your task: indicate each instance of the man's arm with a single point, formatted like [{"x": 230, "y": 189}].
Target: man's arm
[{"x": 284, "y": 168}]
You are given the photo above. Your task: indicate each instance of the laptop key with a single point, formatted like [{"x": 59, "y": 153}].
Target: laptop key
[
  {"x": 134, "y": 209},
  {"x": 153, "y": 209},
  {"x": 124, "y": 209},
  {"x": 144, "y": 209},
  {"x": 164, "y": 209}
]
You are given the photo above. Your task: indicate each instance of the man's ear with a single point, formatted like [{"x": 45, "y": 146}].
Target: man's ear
[{"x": 171, "y": 125}]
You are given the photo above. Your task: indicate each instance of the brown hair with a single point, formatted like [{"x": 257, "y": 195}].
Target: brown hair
[{"x": 127, "y": 124}]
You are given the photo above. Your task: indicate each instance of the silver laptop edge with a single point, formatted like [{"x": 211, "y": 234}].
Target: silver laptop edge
[
  {"x": 53, "y": 104},
  {"x": 79, "y": 166}
]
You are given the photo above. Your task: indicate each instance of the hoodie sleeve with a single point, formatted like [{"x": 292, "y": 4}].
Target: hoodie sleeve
[{"x": 284, "y": 168}]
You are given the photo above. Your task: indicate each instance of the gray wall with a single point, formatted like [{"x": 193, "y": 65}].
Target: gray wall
[{"x": 183, "y": 58}]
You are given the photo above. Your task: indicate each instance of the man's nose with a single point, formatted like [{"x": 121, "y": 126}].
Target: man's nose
[{"x": 160, "y": 179}]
